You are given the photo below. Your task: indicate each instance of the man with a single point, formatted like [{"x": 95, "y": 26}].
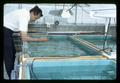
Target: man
[{"x": 18, "y": 21}]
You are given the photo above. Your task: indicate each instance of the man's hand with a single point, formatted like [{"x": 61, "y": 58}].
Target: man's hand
[
  {"x": 25, "y": 37},
  {"x": 42, "y": 39}
]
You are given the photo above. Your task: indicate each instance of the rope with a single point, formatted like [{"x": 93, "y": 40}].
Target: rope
[
  {"x": 31, "y": 69},
  {"x": 105, "y": 39}
]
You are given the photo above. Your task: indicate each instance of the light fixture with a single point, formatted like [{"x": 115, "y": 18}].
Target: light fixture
[
  {"x": 66, "y": 14},
  {"x": 103, "y": 13},
  {"x": 61, "y": 13},
  {"x": 55, "y": 12}
]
